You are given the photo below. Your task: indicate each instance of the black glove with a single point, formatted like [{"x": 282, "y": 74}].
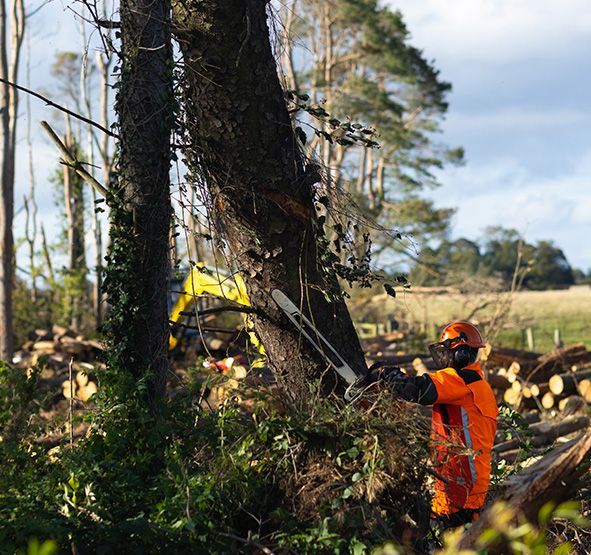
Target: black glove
[
  {"x": 392, "y": 375},
  {"x": 381, "y": 372}
]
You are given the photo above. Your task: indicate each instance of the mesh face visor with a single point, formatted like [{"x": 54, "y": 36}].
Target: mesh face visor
[
  {"x": 442, "y": 352},
  {"x": 442, "y": 355}
]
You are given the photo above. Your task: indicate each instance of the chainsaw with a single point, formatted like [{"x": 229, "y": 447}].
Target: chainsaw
[{"x": 356, "y": 381}]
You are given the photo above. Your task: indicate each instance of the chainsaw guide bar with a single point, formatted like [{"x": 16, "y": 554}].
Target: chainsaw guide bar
[{"x": 320, "y": 343}]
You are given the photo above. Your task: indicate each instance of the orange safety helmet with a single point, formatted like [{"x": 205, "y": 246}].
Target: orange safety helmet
[
  {"x": 462, "y": 333},
  {"x": 457, "y": 346}
]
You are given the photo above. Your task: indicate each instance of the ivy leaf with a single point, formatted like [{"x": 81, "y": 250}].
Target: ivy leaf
[
  {"x": 390, "y": 290},
  {"x": 301, "y": 135}
]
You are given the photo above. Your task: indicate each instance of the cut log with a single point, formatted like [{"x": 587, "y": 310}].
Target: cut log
[
  {"x": 512, "y": 397},
  {"x": 86, "y": 392},
  {"x": 585, "y": 390},
  {"x": 504, "y": 356},
  {"x": 556, "y": 384},
  {"x": 42, "y": 335},
  {"x": 566, "y": 384},
  {"x": 548, "y": 400},
  {"x": 82, "y": 379},
  {"x": 514, "y": 454},
  {"x": 545, "y": 433},
  {"x": 532, "y": 417},
  {"x": 61, "y": 331},
  {"x": 46, "y": 346},
  {"x": 514, "y": 368},
  {"x": 572, "y": 405},
  {"x": 553, "y": 478},
  {"x": 498, "y": 382}
]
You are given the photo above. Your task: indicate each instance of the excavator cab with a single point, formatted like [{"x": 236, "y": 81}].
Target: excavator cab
[{"x": 187, "y": 297}]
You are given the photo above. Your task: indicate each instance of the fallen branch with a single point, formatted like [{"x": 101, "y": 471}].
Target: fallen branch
[
  {"x": 70, "y": 160},
  {"x": 544, "y": 433}
]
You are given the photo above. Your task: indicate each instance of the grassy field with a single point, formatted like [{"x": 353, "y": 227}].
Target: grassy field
[{"x": 543, "y": 311}]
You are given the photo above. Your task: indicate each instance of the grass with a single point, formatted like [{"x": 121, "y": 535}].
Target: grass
[{"x": 568, "y": 310}]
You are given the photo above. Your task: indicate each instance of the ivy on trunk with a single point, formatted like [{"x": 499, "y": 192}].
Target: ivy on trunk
[
  {"x": 261, "y": 188},
  {"x": 138, "y": 261}
]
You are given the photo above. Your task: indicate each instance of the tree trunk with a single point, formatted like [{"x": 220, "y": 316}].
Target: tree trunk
[
  {"x": 8, "y": 108},
  {"x": 262, "y": 194},
  {"x": 74, "y": 204},
  {"x": 140, "y": 218}
]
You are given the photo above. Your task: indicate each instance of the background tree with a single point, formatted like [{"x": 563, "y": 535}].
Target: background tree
[
  {"x": 503, "y": 251},
  {"x": 355, "y": 58},
  {"x": 8, "y": 117},
  {"x": 549, "y": 267}
]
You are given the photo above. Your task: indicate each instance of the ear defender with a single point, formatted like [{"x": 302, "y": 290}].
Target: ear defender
[{"x": 463, "y": 356}]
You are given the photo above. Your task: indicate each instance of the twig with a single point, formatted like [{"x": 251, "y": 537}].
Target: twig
[
  {"x": 62, "y": 108},
  {"x": 215, "y": 310},
  {"x": 247, "y": 541},
  {"x": 70, "y": 160}
]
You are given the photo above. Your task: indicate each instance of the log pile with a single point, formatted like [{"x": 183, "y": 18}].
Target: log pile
[
  {"x": 530, "y": 380},
  {"x": 54, "y": 350}
]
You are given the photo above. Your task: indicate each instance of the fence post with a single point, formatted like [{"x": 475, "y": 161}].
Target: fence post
[
  {"x": 530, "y": 339},
  {"x": 557, "y": 339}
]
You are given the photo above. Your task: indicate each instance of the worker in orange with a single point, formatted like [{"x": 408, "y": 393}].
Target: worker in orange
[{"x": 463, "y": 424}]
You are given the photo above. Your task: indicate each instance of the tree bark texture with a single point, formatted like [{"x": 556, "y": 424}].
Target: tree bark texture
[
  {"x": 145, "y": 110},
  {"x": 262, "y": 192}
]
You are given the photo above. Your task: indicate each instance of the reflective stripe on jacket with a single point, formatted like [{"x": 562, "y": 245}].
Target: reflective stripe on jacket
[{"x": 463, "y": 429}]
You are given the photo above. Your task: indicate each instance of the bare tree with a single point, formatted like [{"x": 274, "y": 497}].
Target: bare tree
[
  {"x": 8, "y": 118},
  {"x": 74, "y": 205},
  {"x": 29, "y": 201}
]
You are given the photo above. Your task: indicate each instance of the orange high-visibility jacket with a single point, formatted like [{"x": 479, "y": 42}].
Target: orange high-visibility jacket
[{"x": 463, "y": 429}]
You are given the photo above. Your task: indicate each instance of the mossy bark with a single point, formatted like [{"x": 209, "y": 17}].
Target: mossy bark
[{"x": 262, "y": 191}]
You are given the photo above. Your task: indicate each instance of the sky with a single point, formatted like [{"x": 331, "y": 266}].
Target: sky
[{"x": 520, "y": 106}]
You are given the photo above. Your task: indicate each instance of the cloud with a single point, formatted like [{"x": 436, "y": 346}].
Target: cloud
[
  {"x": 512, "y": 117},
  {"x": 496, "y": 31},
  {"x": 504, "y": 192}
]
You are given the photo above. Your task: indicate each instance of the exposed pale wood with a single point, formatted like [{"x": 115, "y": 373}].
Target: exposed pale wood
[
  {"x": 512, "y": 397},
  {"x": 556, "y": 384},
  {"x": 419, "y": 366},
  {"x": 585, "y": 390},
  {"x": 548, "y": 400},
  {"x": 70, "y": 160}
]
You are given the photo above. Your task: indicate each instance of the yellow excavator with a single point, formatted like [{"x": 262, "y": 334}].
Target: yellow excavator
[{"x": 202, "y": 281}]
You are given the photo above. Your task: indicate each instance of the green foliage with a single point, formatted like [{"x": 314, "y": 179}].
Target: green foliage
[
  {"x": 375, "y": 76},
  {"x": 222, "y": 481},
  {"x": 513, "y": 534},
  {"x": 18, "y": 401},
  {"x": 513, "y": 426}
]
